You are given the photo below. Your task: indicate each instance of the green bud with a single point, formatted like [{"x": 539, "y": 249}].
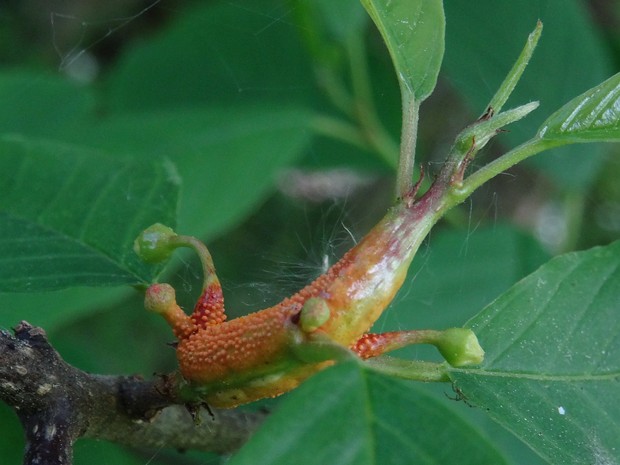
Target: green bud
[
  {"x": 314, "y": 314},
  {"x": 460, "y": 347},
  {"x": 153, "y": 244}
]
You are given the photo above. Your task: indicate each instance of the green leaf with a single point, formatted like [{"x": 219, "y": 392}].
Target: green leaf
[
  {"x": 69, "y": 216},
  {"x": 413, "y": 31},
  {"x": 52, "y": 310},
  {"x": 552, "y": 367},
  {"x": 228, "y": 158},
  {"x": 38, "y": 104},
  {"x": 216, "y": 53},
  {"x": 593, "y": 116},
  {"x": 483, "y": 42},
  {"x": 347, "y": 415}
]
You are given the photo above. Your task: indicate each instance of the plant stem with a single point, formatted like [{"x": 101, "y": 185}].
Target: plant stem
[
  {"x": 501, "y": 164},
  {"x": 513, "y": 77},
  {"x": 409, "y": 134},
  {"x": 358, "y": 105},
  {"x": 414, "y": 370},
  {"x": 365, "y": 112},
  {"x": 339, "y": 129},
  {"x": 360, "y": 78},
  {"x": 379, "y": 139},
  {"x": 335, "y": 90},
  {"x": 574, "y": 206},
  {"x": 208, "y": 268}
]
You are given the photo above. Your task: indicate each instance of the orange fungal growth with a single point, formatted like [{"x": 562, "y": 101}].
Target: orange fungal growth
[
  {"x": 161, "y": 298},
  {"x": 271, "y": 351},
  {"x": 219, "y": 352},
  {"x": 209, "y": 309}
]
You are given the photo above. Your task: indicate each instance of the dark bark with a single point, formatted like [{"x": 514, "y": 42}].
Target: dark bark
[{"x": 57, "y": 404}]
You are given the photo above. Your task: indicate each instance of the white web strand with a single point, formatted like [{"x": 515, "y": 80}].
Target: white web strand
[{"x": 69, "y": 58}]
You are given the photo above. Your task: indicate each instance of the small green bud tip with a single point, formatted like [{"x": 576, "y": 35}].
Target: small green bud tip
[
  {"x": 460, "y": 347},
  {"x": 153, "y": 244},
  {"x": 314, "y": 314},
  {"x": 159, "y": 298}
]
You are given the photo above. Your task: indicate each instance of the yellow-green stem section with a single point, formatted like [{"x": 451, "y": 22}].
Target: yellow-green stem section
[{"x": 413, "y": 370}]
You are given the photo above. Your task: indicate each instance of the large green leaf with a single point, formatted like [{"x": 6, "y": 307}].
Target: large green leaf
[
  {"x": 69, "y": 215},
  {"x": 41, "y": 104},
  {"x": 593, "y": 116},
  {"x": 54, "y": 309},
  {"x": 552, "y": 367},
  {"x": 482, "y": 42},
  {"x": 218, "y": 52},
  {"x": 346, "y": 415},
  {"x": 229, "y": 158},
  {"x": 413, "y": 31}
]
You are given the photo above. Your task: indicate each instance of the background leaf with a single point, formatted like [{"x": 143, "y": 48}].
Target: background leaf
[
  {"x": 229, "y": 158},
  {"x": 41, "y": 104},
  {"x": 222, "y": 52},
  {"x": 593, "y": 116},
  {"x": 347, "y": 415},
  {"x": 69, "y": 216},
  {"x": 413, "y": 32},
  {"x": 552, "y": 368}
]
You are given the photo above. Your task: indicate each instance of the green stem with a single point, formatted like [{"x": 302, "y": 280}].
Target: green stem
[
  {"x": 501, "y": 164},
  {"x": 339, "y": 129},
  {"x": 379, "y": 139},
  {"x": 574, "y": 205},
  {"x": 364, "y": 110},
  {"x": 414, "y": 370},
  {"x": 473, "y": 138},
  {"x": 360, "y": 77},
  {"x": 336, "y": 91},
  {"x": 513, "y": 77},
  {"x": 409, "y": 134},
  {"x": 208, "y": 268},
  {"x": 365, "y": 136},
  {"x": 369, "y": 133}
]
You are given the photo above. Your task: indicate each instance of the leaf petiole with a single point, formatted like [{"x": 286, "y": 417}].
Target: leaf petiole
[
  {"x": 414, "y": 370},
  {"x": 501, "y": 164}
]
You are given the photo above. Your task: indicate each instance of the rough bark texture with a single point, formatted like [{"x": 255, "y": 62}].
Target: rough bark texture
[{"x": 57, "y": 404}]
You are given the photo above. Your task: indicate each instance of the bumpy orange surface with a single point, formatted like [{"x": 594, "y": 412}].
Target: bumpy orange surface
[{"x": 257, "y": 355}]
